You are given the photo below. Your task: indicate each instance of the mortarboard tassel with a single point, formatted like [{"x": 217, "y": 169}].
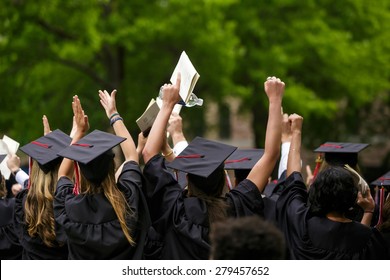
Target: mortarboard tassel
[
  {"x": 319, "y": 161},
  {"x": 228, "y": 182},
  {"x": 381, "y": 203},
  {"x": 191, "y": 156}
]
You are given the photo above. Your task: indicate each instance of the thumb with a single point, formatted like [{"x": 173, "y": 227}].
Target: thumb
[{"x": 178, "y": 79}]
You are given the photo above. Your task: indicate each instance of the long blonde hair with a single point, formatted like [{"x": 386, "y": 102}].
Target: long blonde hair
[
  {"x": 38, "y": 208},
  {"x": 115, "y": 197}
]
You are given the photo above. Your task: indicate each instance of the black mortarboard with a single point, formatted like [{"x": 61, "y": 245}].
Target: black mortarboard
[
  {"x": 44, "y": 149},
  {"x": 202, "y": 159},
  {"x": 93, "y": 153},
  {"x": 384, "y": 180},
  {"x": 242, "y": 162},
  {"x": 337, "y": 153}
]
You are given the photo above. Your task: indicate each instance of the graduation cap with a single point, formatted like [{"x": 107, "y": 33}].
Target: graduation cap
[
  {"x": 203, "y": 160},
  {"x": 94, "y": 154},
  {"x": 44, "y": 149},
  {"x": 384, "y": 181},
  {"x": 337, "y": 153},
  {"x": 242, "y": 162}
]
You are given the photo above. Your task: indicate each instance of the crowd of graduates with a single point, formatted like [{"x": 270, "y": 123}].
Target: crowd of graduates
[{"x": 199, "y": 199}]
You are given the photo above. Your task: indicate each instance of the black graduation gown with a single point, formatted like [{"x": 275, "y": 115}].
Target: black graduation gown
[
  {"x": 180, "y": 225},
  {"x": 33, "y": 247},
  {"x": 10, "y": 248},
  {"x": 313, "y": 237},
  {"x": 90, "y": 222}
]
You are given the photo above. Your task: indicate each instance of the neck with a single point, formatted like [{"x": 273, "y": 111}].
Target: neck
[{"x": 337, "y": 217}]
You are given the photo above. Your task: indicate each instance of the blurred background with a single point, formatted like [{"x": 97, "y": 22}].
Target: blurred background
[{"x": 333, "y": 56}]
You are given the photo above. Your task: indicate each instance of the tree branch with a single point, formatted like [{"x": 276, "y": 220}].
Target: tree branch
[
  {"x": 85, "y": 69},
  {"x": 58, "y": 32}
]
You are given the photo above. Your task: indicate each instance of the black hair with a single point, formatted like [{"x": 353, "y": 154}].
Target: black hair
[
  {"x": 333, "y": 189},
  {"x": 246, "y": 238}
]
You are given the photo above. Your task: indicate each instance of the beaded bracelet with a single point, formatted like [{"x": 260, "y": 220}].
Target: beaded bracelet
[
  {"x": 113, "y": 115},
  {"x": 112, "y": 121},
  {"x": 372, "y": 212}
]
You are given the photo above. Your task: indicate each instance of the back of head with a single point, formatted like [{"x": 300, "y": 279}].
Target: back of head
[
  {"x": 246, "y": 238},
  {"x": 333, "y": 189},
  {"x": 39, "y": 203},
  {"x": 210, "y": 190}
]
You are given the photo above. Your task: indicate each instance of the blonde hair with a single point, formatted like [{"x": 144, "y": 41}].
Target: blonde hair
[
  {"x": 115, "y": 197},
  {"x": 38, "y": 208}
]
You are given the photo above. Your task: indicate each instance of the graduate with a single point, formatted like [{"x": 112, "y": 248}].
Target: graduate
[
  {"x": 314, "y": 223},
  {"x": 181, "y": 219},
  {"x": 246, "y": 238},
  {"x": 104, "y": 217},
  {"x": 382, "y": 198},
  {"x": 340, "y": 154},
  {"x": 10, "y": 248},
  {"x": 39, "y": 234}
]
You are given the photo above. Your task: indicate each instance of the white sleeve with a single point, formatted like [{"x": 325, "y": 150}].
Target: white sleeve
[
  {"x": 283, "y": 158},
  {"x": 21, "y": 177},
  {"x": 179, "y": 147}
]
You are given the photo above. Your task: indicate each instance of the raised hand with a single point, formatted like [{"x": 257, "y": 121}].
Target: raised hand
[
  {"x": 46, "y": 125},
  {"x": 108, "y": 102},
  {"x": 286, "y": 129},
  {"x": 274, "y": 88},
  {"x": 296, "y": 122},
  {"x": 80, "y": 118},
  {"x": 171, "y": 92}
]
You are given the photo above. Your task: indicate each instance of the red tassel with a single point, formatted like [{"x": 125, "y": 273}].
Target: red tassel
[
  {"x": 381, "y": 203},
  {"x": 319, "y": 161}
]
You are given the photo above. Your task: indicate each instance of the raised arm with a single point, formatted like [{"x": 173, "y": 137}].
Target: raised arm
[
  {"x": 274, "y": 88},
  {"x": 109, "y": 104},
  {"x": 286, "y": 141},
  {"x": 156, "y": 136},
  {"x": 294, "y": 156},
  {"x": 82, "y": 126},
  {"x": 175, "y": 130}
]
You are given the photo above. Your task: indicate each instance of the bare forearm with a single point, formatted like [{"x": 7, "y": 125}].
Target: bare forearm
[
  {"x": 294, "y": 156},
  {"x": 263, "y": 168},
  {"x": 157, "y": 133},
  {"x": 274, "y": 130},
  {"x": 128, "y": 146}
]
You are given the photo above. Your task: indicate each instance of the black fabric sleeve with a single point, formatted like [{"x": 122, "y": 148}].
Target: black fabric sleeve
[
  {"x": 161, "y": 188},
  {"x": 245, "y": 200}
]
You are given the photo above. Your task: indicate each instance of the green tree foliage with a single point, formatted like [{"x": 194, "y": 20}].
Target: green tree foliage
[
  {"x": 51, "y": 50},
  {"x": 333, "y": 56}
]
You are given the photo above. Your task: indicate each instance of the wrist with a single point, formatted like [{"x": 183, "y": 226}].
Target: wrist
[
  {"x": 369, "y": 211},
  {"x": 15, "y": 171},
  {"x": 113, "y": 114}
]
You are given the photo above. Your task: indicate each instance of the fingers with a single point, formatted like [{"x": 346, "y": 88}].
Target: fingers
[
  {"x": 46, "y": 126},
  {"x": 285, "y": 118},
  {"x": 113, "y": 94},
  {"x": 178, "y": 80}
]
